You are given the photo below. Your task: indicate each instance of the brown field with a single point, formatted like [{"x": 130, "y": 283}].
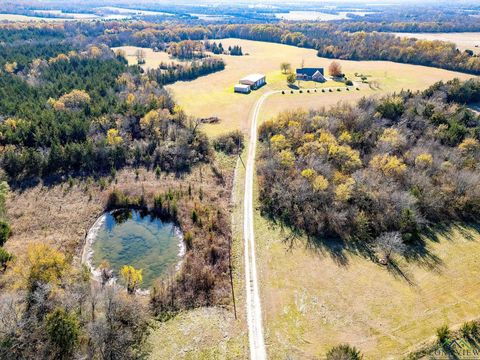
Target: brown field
[
  {"x": 317, "y": 297},
  {"x": 153, "y": 59},
  {"x": 463, "y": 41},
  {"x": 213, "y": 95}
]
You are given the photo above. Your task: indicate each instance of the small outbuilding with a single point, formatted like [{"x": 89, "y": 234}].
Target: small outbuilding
[
  {"x": 254, "y": 81},
  {"x": 242, "y": 88}
]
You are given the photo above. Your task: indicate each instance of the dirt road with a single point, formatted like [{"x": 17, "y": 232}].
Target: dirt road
[{"x": 254, "y": 308}]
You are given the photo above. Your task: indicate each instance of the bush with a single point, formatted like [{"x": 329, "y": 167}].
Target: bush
[
  {"x": 291, "y": 91},
  {"x": 330, "y": 90},
  {"x": 230, "y": 143},
  {"x": 469, "y": 329},
  {"x": 308, "y": 91},
  {"x": 5, "y": 258},
  {"x": 349, "y": 83},
  {"x": 323, "y": 90},
  {"x": 63, "y": 330},
  {"x": 344, "y": 352},
  {"x": 301, "y": 91},
  {"x": 5, "y": 232},
  {"x": 283, "y": 92},
  {"x": 443, "y": 334},
  {"x": 358, "y": 89}
]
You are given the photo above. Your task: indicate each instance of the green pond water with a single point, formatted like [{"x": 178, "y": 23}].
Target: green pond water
[{"x": 131, "y": 237}]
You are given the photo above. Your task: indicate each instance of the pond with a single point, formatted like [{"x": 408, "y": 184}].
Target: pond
[{"x": 132, "y": 237}]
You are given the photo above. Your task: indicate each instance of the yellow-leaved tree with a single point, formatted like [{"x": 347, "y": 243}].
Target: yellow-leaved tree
[
  {"x": 131, "y": 277},
  {"x": 389, "y": 165},
  {"x": 41, "y": 265},
  {"x": 113, "y": 138}
]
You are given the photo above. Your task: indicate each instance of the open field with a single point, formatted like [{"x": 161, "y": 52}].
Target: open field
[
  {"x": 463, "y": 41},
  {"x": 213, "y": 95},
  {"x": 315, "y": 297},
  {"x": 16, "y": 17},
  {"x": 153, "y": 59}
]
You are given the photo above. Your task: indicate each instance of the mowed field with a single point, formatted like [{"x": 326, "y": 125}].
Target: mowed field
[
  {"x": 464, "y": 41},
  {"x": 213, "y": 95}
]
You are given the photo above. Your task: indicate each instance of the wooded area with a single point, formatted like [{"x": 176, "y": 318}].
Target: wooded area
[{"x": 364, "y": 173}]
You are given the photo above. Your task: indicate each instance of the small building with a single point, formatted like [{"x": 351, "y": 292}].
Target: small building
[
  {"x": 311, "y": 74},
  {"x": 242, "y": 88},
  {"x": 254, "y": 80}
]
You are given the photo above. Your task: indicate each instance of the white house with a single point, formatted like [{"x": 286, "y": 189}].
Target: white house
[
  {"x": 254, "y": 80},
  {"x": 242, "y": 88}
]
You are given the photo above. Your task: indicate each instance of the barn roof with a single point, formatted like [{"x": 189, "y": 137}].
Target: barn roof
[{"x": 253, "y": 78}]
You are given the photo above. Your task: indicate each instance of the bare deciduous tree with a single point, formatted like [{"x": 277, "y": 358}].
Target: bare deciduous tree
[{"x": 389, "y": 243}]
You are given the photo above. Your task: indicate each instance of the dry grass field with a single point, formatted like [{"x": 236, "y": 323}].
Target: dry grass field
[
  {"x": 153, "y": 59},
  {"x": 316, "y": 296},
  {"x": 464, "y": 41},
  {"x": 213, "y": 95}
]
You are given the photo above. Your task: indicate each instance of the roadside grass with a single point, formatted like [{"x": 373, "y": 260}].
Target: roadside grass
[
  {"x": 200, "y": 334},
  {"x": 213, "y": 95},
  {"x": 316, "y": 296}
]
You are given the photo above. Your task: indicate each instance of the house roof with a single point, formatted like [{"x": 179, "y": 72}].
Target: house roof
[
  {"x": 252, "y": 78},
  {"x": 309, "y": 71}
]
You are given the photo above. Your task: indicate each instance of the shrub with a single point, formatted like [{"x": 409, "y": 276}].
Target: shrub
[
  {"x": 469, "y": 329},
  {"x": 5, "y": 231},
  {"x": 283, "y": 92},
  {"x": 158, "y": 172},
  {"x": 323, "y": 90},
  {"x": 291, "y": 91},
  {"x": 358, "y": 89},
  {"x": 339, "y": 89},
  {"x": 63, "y": 330},
  {"x": 230, "y": 143},
  {"x": 349, "y": 83},
  {"x": 344, "y": 352},
  {"x": 188, "y": 239},
  {"x": 443, "y": 334},
  {"x": 194, "y": 216},
  {"x": 301, "y": 91},
  {"x": 5, "y": 258},
  {"x": 330, "y": 90}
]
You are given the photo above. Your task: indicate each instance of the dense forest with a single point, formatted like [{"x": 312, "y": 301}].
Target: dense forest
[
  {"x": 379, "y": 172},
  {"x": 87, "y": 112}
]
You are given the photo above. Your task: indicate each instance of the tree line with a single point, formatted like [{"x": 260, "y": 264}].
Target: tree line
[{"x": 330, "y": 39}]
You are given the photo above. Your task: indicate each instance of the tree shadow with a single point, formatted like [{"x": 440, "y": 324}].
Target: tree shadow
[
  {"x": 293, "y": 87},
  {"x": 394, "y": 269}
]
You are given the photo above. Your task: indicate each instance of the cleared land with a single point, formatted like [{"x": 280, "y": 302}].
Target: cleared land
[
  {"x": 213, "y": 95},
  {"x": 315, "y": 297},
  {"x": 153, "y": 59},
  {"x": 464, "y": 41}
]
